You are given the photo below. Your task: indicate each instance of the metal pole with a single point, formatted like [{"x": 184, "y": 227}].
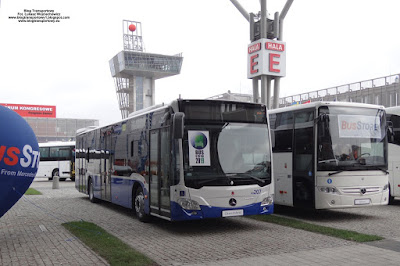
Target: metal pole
[
  {"x": 265, "y": 80},
  {"x": 268, "y": 100},
  {"x": 277, "y": 84},
  {"x": 263, "y": 85},
  {"x": 255, "y": 90},
  {"x": 241, "y": 10},
  {"x": 282, "y": 17},
  {"x": 263, "y": 24},
  {"x": 280, "y": 38}
]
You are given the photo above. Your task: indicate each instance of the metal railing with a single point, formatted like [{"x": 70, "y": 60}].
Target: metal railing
[{"x": 356, "y": 87}]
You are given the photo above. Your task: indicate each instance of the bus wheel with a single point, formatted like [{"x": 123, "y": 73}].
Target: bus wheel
[
  {"x": 139, "y": 205},
  {"x": 55, "y": 173},
  {"x": 91, "y": 193},
  {"x": 391, "y": 199}
]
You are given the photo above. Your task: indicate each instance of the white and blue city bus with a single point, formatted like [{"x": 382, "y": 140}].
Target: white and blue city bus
[
  {"x": 191, "y": 159},
  {"x": 330, "y": 155}
]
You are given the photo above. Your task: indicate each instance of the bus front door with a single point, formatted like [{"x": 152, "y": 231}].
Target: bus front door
[
  {"x": 160, "y": 161},
  {"x": 303, "y": 158}
]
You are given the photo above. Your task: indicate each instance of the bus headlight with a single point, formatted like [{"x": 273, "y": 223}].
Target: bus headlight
[
  {"x": 267, "y": 201},
  {"x": 189, "y": 204},
  {"x": 385, "y": 187},
  {"x": 328, "y": 189}
]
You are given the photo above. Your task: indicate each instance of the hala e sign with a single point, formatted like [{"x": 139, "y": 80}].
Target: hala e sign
[{"x": 266, "y": 57}]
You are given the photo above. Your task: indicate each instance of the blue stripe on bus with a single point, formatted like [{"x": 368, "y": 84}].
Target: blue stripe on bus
[
  {"x": 177, "y": 213},
  {"x": 121, "y": 192}
]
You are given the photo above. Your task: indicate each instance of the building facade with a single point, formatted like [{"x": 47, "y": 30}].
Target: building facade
[
  {"x": 45, "y": 124},
  {"x": 58, "y": 129}
]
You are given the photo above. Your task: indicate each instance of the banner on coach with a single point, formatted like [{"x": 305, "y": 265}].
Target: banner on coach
[{"x": 27, "y": 110}]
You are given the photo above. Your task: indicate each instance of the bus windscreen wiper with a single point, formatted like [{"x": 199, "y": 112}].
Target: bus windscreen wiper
[
  {"x": 212, "y": 179},
  {"x": 334, "y": 173},
  {"x": 330, "y": 161},
  {"x": 251, "y": 176},
  {"x": 383, "y": 170}
]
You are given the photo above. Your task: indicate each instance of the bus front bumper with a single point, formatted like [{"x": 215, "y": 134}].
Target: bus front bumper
[
  {"x": 325, "y": 200},
  {"x": 179, "y": 214}
]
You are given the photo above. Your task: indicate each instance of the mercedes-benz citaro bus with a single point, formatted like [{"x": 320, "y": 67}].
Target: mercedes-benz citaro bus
[
  {"x": 393, "y": 118},
  {"x": 190, "y": 159},
  {"x": 330, "y": 155}
]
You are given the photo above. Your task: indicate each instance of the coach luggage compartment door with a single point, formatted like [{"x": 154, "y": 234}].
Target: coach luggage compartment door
[{"x": 160, "y": 161}]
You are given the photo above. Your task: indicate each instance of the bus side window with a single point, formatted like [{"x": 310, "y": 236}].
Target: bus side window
[
  {"x": 44, "y": 152},
  {"x": 282, "y": 132}
]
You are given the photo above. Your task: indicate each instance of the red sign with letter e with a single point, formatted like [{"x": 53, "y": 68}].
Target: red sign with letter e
[{"x": 266, "y": 57}]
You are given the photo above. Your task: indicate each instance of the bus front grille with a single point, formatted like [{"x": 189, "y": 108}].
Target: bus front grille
[{"x": 361, "y": 190}]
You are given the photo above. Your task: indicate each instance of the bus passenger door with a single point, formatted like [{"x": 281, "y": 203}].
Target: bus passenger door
[
  {"x": 303, "y": 160},
  {"x": 106, "y": 168},
  {"x": 160, "y": 171}
]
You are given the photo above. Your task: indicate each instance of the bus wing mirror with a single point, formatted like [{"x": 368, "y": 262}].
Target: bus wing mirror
[
  {"x": 178, "y": 124},
  {"x": 390, "y": 131}
]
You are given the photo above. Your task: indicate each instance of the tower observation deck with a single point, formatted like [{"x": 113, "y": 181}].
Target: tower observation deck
[{"x": 135, "y": 71}]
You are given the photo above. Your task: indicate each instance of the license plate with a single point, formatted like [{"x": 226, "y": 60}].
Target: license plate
[
  {"x": 232, "y": 213},
  {"x": 362, "y": 201}
]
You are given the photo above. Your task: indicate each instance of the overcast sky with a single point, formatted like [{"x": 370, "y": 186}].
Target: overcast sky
[{"x": 328, "y": 42}]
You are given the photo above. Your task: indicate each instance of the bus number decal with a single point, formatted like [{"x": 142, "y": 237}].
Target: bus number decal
[{"x": 256, "y": 192}]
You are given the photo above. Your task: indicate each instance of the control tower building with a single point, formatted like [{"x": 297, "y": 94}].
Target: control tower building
[{"x": 135, "y": 71}]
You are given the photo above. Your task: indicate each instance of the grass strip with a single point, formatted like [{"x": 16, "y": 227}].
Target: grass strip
[
  {"x": 109, "y": 247},
  {"x": 32, "y": 191},
  {"x": 329, "y": 231}
]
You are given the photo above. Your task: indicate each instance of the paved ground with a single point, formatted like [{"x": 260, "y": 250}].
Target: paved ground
[
  {"x": 378, "y": 220},
  {"x": 31, "y": 234}
]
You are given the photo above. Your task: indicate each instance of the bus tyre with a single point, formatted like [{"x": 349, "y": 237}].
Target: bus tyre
[
  {"x": 55, "y": 173},
  {"x": 91, "y": 192},
  {"x": 391, "y": 199},
  {"x": 139, "y": 205}
]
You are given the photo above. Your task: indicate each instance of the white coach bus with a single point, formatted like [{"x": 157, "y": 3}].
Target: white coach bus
[
  {"x": 330, "y": 155},
  {"x": 393, "y": 118},
  {"x": 57, "y": 159}
]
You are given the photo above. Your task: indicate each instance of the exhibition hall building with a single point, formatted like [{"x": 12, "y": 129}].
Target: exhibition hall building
[{"x": 45, "y": 124}]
